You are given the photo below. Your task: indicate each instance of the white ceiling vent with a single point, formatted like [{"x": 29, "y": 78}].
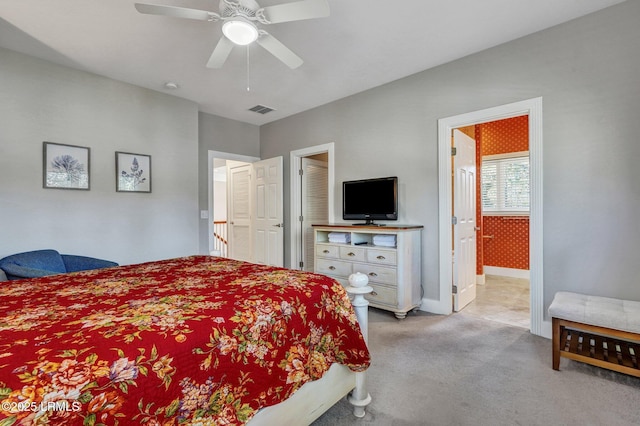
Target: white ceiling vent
[{"x": 261, "y": 109}]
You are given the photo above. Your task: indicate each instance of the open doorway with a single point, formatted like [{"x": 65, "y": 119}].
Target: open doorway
[
  {"x": 501, "y": 237},
  {"x": 533, "y": 109},
  {"x": 311, "y": 194},
  {"x": 219, "y": 199},
  {"x": 314, "y": 204},
  {"x": 219, "y": 212}
]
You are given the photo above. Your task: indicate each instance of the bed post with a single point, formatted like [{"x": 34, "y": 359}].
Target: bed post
[{"x": 359, "y": 397}]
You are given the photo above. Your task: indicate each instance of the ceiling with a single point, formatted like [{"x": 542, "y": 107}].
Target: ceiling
[{"x": 362, "y": 44}]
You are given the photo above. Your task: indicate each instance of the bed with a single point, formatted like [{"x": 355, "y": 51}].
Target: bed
[{"x": 195, "y": 340}]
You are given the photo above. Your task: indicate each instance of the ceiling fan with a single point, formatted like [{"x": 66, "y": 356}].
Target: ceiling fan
[{"x": 240, "y": 27}]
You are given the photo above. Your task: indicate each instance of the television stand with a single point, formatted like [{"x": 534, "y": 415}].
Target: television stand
[{"x": 394, "y": 272}]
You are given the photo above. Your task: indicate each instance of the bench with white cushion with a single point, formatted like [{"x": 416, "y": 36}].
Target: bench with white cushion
[{"x": 600, "y": 331}]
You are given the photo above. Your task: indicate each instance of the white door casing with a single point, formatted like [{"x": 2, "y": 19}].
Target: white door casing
[
  {"x": 465, "y": 226},
  {"x": 239, "y": 208},
  {"x": 295, "y": 158},
  {"x": 532, "y": 108},
  {"x": 212, "y": 156},
  {"x": 268, "y": 220},
  {"x": 314, "y": 196}
]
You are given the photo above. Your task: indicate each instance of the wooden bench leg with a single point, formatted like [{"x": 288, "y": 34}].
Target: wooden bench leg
[{"x": 557, "y": 333}]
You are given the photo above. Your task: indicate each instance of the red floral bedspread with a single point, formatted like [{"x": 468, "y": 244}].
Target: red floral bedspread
[{"x": 196, "y": 340}]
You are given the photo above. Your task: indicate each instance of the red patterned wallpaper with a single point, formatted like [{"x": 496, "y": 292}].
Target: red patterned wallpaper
[
  {"x": 509, "y": 135},
  {"x": 509, "y": 247}
]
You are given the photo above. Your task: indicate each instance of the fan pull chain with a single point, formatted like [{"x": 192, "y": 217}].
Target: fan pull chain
[{"x": 248, "y": 85}]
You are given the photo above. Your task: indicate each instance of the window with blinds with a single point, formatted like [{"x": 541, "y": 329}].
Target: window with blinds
[{"x": 505, "y": 184}]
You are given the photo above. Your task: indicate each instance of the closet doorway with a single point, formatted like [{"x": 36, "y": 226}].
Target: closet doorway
[{"x": 312, "y": 194}]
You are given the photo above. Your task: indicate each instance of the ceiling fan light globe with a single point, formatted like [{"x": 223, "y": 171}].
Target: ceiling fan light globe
[{"x": 240, "y": 32}]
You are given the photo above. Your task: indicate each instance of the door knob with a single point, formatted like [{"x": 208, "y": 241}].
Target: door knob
[{"x": 279, "y": 225}]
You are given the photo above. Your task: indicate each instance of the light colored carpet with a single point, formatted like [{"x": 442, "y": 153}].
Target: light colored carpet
[{"x": 465, "y": 370}]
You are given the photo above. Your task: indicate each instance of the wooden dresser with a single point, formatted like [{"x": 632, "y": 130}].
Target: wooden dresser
[{"x": 394, "y": 268}]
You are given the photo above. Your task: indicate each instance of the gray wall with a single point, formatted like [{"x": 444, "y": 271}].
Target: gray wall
[
  {"x": 41, "y": 101},
  {"x": 222, "y": 135},
  {"x": 587, "y": 72}
]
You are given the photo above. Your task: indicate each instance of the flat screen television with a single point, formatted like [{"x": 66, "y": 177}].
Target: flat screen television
[{"x": 370, "y": 200}]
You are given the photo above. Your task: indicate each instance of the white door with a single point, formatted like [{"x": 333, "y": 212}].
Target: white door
[
  {"x": 268, "y": 222},
  {"x": 239, "y": 210},
  {"x": 464, "y": 228},
  {"x": 315, "y": 208}
]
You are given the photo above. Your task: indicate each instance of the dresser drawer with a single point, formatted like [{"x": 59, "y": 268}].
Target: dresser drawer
[
  {"x": 383, "y": 295},
  {"x": 394, "y": 272},
  {"x": 333, "y": 267},
  {"x": 351, "y": 253},
  {"x": 383, "y": 257},
  {"x": 326, "y": 250},
  {"x": 378, "y": 274}
]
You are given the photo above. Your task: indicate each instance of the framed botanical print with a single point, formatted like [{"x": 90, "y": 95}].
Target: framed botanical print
[
  {"x": 65, "y": 166},
  {"x": 133, "y": 172}
]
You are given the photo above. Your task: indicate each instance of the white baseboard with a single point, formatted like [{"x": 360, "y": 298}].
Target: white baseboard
[
  {"x": 481, "y": 279},
  {"x": 506, "y": 272}
]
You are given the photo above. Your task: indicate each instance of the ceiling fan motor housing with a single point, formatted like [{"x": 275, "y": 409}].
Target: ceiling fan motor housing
[{"x": 242, "y": 8}]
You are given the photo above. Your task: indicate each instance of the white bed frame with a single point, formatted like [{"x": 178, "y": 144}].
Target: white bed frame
[{"x": 314, "y": 398}]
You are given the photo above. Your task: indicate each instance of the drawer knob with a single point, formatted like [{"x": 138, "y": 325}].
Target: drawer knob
[
  {"x": 351, "y": 254},
  {"x": 333, "y": 268},
  {"x": 381, "y": 257},
  {"x": 325, "y": 251},
  {"x": 373, "y": 274}
]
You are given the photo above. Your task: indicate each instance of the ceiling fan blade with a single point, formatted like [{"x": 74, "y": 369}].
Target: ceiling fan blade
[
  {"x": 220, "y": 53},
  {"x": 279, "y": 50},
  {"x": 177, "y": 12},
  {"x": 297, "y": 11}
]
